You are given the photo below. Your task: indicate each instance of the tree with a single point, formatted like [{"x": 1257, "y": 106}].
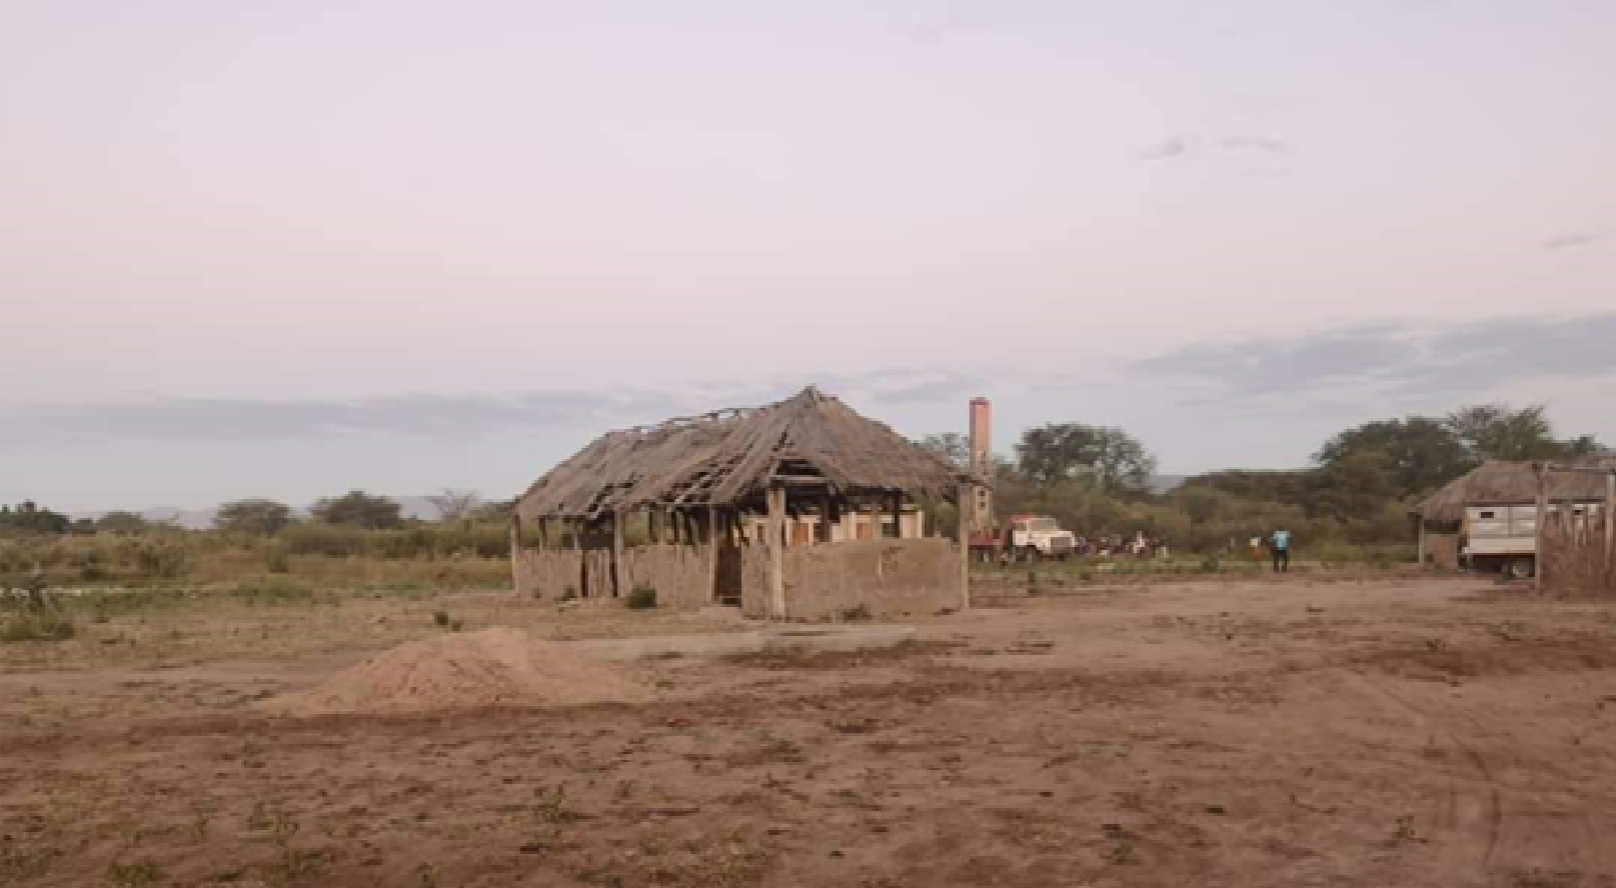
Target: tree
[
  {"x": 1499, "y": 431},
  {"x": 1420, "y": 454},
  {"x": 1356, "y": 486},
  {"x": 30, "y": 517},
  {"x": 252, "y": 516},
  {"x": 453, "y": 505},
  {"x": 1111, "y": 459},
  {"x": 122, "y": 522},
  {"x": 359, "y": 509},
  {"x": 951, "y": 446}
]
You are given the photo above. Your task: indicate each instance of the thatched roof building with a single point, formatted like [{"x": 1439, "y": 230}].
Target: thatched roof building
[
  {"x": 797, "y": 510},
  {"x": 1497, "y": 483},
  {"x": 731, "y": 458}
]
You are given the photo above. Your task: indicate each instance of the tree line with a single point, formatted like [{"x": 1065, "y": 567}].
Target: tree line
[
  {"x": 1358, "y": 487},
  {"x": 355, "y": 509}
]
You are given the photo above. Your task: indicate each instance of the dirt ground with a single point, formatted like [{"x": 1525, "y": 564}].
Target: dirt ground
[{"x": 1439, "y": 732}]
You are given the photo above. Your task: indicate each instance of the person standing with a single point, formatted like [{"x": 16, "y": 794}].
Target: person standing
[{"x": 1281, "y": 542}]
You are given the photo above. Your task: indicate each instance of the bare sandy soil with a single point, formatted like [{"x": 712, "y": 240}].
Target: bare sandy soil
[{"x": 1384, "y": 733}]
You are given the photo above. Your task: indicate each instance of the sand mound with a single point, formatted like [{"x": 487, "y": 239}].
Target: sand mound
[{"x": 493, "y": 667}]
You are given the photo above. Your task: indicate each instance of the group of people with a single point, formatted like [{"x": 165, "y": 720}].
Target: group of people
[
  {"x": 1140, "y": 545},
  {"x": 1278, "y": 545}
]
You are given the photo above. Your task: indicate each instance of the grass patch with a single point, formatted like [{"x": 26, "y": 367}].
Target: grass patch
[{"x": 37, "y": 627}]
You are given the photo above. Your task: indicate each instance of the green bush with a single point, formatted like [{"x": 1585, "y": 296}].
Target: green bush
[{"x": 641, "y": 598}]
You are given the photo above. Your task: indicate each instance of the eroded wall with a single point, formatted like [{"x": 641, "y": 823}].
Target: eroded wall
[
  {"x": 681, "y": 575},
  {"x": 549, "y": 573},
  {"x": 886, "y": 579}
]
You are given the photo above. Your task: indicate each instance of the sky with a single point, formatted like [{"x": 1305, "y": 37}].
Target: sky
[{"x": 289, "y": 249}]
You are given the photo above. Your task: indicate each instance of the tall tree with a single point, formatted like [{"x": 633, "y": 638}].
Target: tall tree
[
  {"x": 454, "y": 505},
  {"x": 1499, "y": 431},
  {"x": 357, "y": 508},
  {"x": 1420, "y": 454},
  {"x": 1114, "y": 461},
  {"x": 252, "y": 516}
]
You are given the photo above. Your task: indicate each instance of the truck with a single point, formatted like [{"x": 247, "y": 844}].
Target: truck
[
  {"x": 1035, "y": 537},
  {"x": 1503, "y": 538}
]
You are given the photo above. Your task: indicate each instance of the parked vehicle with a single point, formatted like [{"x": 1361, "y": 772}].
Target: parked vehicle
[
  {"x": 1503, "y": 538},
  {"x": 1035, "y": 537}
]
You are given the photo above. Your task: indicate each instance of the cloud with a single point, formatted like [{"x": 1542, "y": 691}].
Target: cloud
[
  {"x": 441, "y": 416},
  {"x": 1568, "y": 240},
  {"x": 1256, "y": 143},
  {"x": 1167, "y": 148},
  {"x": 1395, "y": 363}
]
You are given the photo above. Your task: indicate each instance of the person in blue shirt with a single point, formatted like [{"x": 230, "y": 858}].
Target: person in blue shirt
[{"x": 1281, "y": 543}]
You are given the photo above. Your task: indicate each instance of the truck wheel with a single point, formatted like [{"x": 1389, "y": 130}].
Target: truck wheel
[{"x": 1520, "y": 568}]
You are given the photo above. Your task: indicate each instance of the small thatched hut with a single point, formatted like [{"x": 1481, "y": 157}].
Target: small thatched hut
[
  {"x": 802, "y": 509},
  {"x": 1499, "y": 483}
]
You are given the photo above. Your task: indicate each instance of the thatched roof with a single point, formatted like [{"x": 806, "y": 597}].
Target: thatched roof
[
  {"x": 727, "y": 457},
  {"x": 1498, "y": 483}
]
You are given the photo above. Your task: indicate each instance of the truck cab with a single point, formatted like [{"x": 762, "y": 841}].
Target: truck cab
[{"x": 1034, "y": 537}]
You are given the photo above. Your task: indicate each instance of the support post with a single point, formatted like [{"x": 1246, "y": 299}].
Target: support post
[
  {"x": 827, "y": 532},
  {"x": 516, "y": 552},
  {"x": 775, "y": 536},
  {"x": 712, "y": 554},
  {"x": 1540, "y": 522},
  {"x": 895, "y": 506},
  {"x": 617, "y": 554},
  {"x": 1610, "y": 530},
  {"x": 966, "y": 494}
]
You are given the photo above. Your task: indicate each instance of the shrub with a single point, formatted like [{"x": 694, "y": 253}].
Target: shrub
[
  {"x": 856, "y": 614},
  {"x": 440, "y": 619},
  {"x": 641, "y": 598}
]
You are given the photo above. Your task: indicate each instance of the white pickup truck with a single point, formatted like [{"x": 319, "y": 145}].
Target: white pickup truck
[{"x": 1503, "y": 539}]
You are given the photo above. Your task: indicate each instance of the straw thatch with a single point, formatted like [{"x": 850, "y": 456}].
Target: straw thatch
[
  {"x": 725, "y": 458},
  {"x": 1498, "y": 483}
]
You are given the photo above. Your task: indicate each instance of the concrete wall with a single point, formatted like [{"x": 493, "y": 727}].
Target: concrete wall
[{"x": 888, "y": 578}]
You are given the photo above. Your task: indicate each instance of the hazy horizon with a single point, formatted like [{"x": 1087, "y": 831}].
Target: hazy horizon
[{"x": 293, "y": 249}]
